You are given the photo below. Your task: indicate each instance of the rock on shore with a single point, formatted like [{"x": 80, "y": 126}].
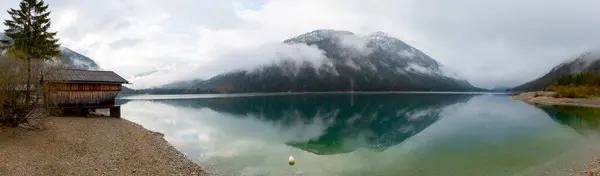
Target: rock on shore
[{"x": 90, "y": 146}]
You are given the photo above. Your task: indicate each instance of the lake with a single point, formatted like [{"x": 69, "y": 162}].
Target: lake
[{"x": 375, "y": 134}]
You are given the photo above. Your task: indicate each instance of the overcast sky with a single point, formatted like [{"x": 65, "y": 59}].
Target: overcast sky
[{"x": 490, "y": 42}]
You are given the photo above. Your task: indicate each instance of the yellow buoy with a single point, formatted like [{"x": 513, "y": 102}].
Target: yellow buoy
[{"x": 292, "y": 161}]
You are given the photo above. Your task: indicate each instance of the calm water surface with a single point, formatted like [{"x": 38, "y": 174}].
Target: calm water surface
[{"x": 367, "y": 134}]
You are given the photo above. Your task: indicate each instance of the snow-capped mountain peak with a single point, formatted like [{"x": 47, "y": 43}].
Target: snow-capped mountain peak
[
  {"x": 393, "y": 45},
  {"x": 318, "y": 35},
  {"x": 373, "y": 62},
  {"x": 379, "y": 34}
]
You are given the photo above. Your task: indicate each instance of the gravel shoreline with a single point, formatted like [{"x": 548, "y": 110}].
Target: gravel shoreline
[
  {"x": 90, "y": 146},
  {"x": 546, "y": 98}
]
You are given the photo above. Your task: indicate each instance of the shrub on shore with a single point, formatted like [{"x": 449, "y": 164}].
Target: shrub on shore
[
  {"x": 17, "y": 105},
  {"x": 582, "y": 85},
  {"x": 572, "y": 91},
  {"x": 16, "y": 101}
]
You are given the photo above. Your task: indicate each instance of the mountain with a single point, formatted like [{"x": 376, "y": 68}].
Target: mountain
[
  {"x": 185, "y": 84},
  {"x": 70, "y": 58},
  {"x": 2, "y": 36},
  {"x": 500, "y": 89},
  {"x": 587, "y": 62},
  {"x": 75, "y": 60},
  {"x": 127, "y": 90},
  {"x": 376, "y": 62}
]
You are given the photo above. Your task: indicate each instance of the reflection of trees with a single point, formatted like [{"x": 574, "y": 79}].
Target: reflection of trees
[
  {"x": 374, "y": 121},
  {"x": 582, "y": 120}
]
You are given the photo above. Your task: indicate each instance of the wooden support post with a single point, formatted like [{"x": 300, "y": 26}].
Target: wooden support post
[
  {"x": 65, "y": 111},
  {"x": 84, "y": 112},
  {"x": 115, "y": 112}
]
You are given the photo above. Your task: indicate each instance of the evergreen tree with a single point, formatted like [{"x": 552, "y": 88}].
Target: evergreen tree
[{"x": 29, "y": 35}]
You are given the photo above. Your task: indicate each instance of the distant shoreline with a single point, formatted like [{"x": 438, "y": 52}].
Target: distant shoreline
[
  {"x": 332, "y": 92},
  {"x": 548, "y": 99}
]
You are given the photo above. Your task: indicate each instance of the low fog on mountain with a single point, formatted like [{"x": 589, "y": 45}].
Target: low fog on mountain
[{"x": 490, "y": 43}]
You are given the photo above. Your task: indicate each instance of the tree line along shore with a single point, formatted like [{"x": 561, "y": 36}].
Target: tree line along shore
[{"x": 581, "y": 89}]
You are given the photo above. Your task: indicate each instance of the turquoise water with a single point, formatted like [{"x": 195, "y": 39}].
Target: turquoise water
[{"x": 366, "y": 134}]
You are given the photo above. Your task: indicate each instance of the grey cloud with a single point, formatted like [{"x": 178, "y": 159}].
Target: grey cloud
[
  {"x": 286, "y": 54},
  {"x": 274, "y": 53},
  {"x": 209, "y": 13},
  {"x": 489, "y": 42},
  {"x": 121, "y": 24},
  {"x": 125, "y": 42},
  {"x": 506, "y": 42}
]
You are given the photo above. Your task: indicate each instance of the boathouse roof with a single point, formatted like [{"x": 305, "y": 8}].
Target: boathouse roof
[{"x": 84, "y": 76}]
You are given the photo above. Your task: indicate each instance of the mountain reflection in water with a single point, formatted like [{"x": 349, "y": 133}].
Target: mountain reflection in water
[
  {"x": 582, "y": 120},
  {"x": 373, "y": 121},
  {"x": 367, "y": 133}
]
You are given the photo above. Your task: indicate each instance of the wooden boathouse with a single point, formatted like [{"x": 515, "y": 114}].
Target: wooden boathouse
[{"x": 83, "y": 90}]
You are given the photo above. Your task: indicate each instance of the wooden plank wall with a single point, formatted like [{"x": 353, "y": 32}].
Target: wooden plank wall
[
  {"x": 84, "y": 87},
  {"x": 82, "y": 94}
]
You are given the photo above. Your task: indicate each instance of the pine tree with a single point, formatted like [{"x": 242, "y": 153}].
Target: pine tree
[{"x": 29, "y": 36}]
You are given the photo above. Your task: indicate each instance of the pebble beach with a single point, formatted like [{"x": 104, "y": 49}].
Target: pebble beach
[{"x": 90, "y": 146}]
